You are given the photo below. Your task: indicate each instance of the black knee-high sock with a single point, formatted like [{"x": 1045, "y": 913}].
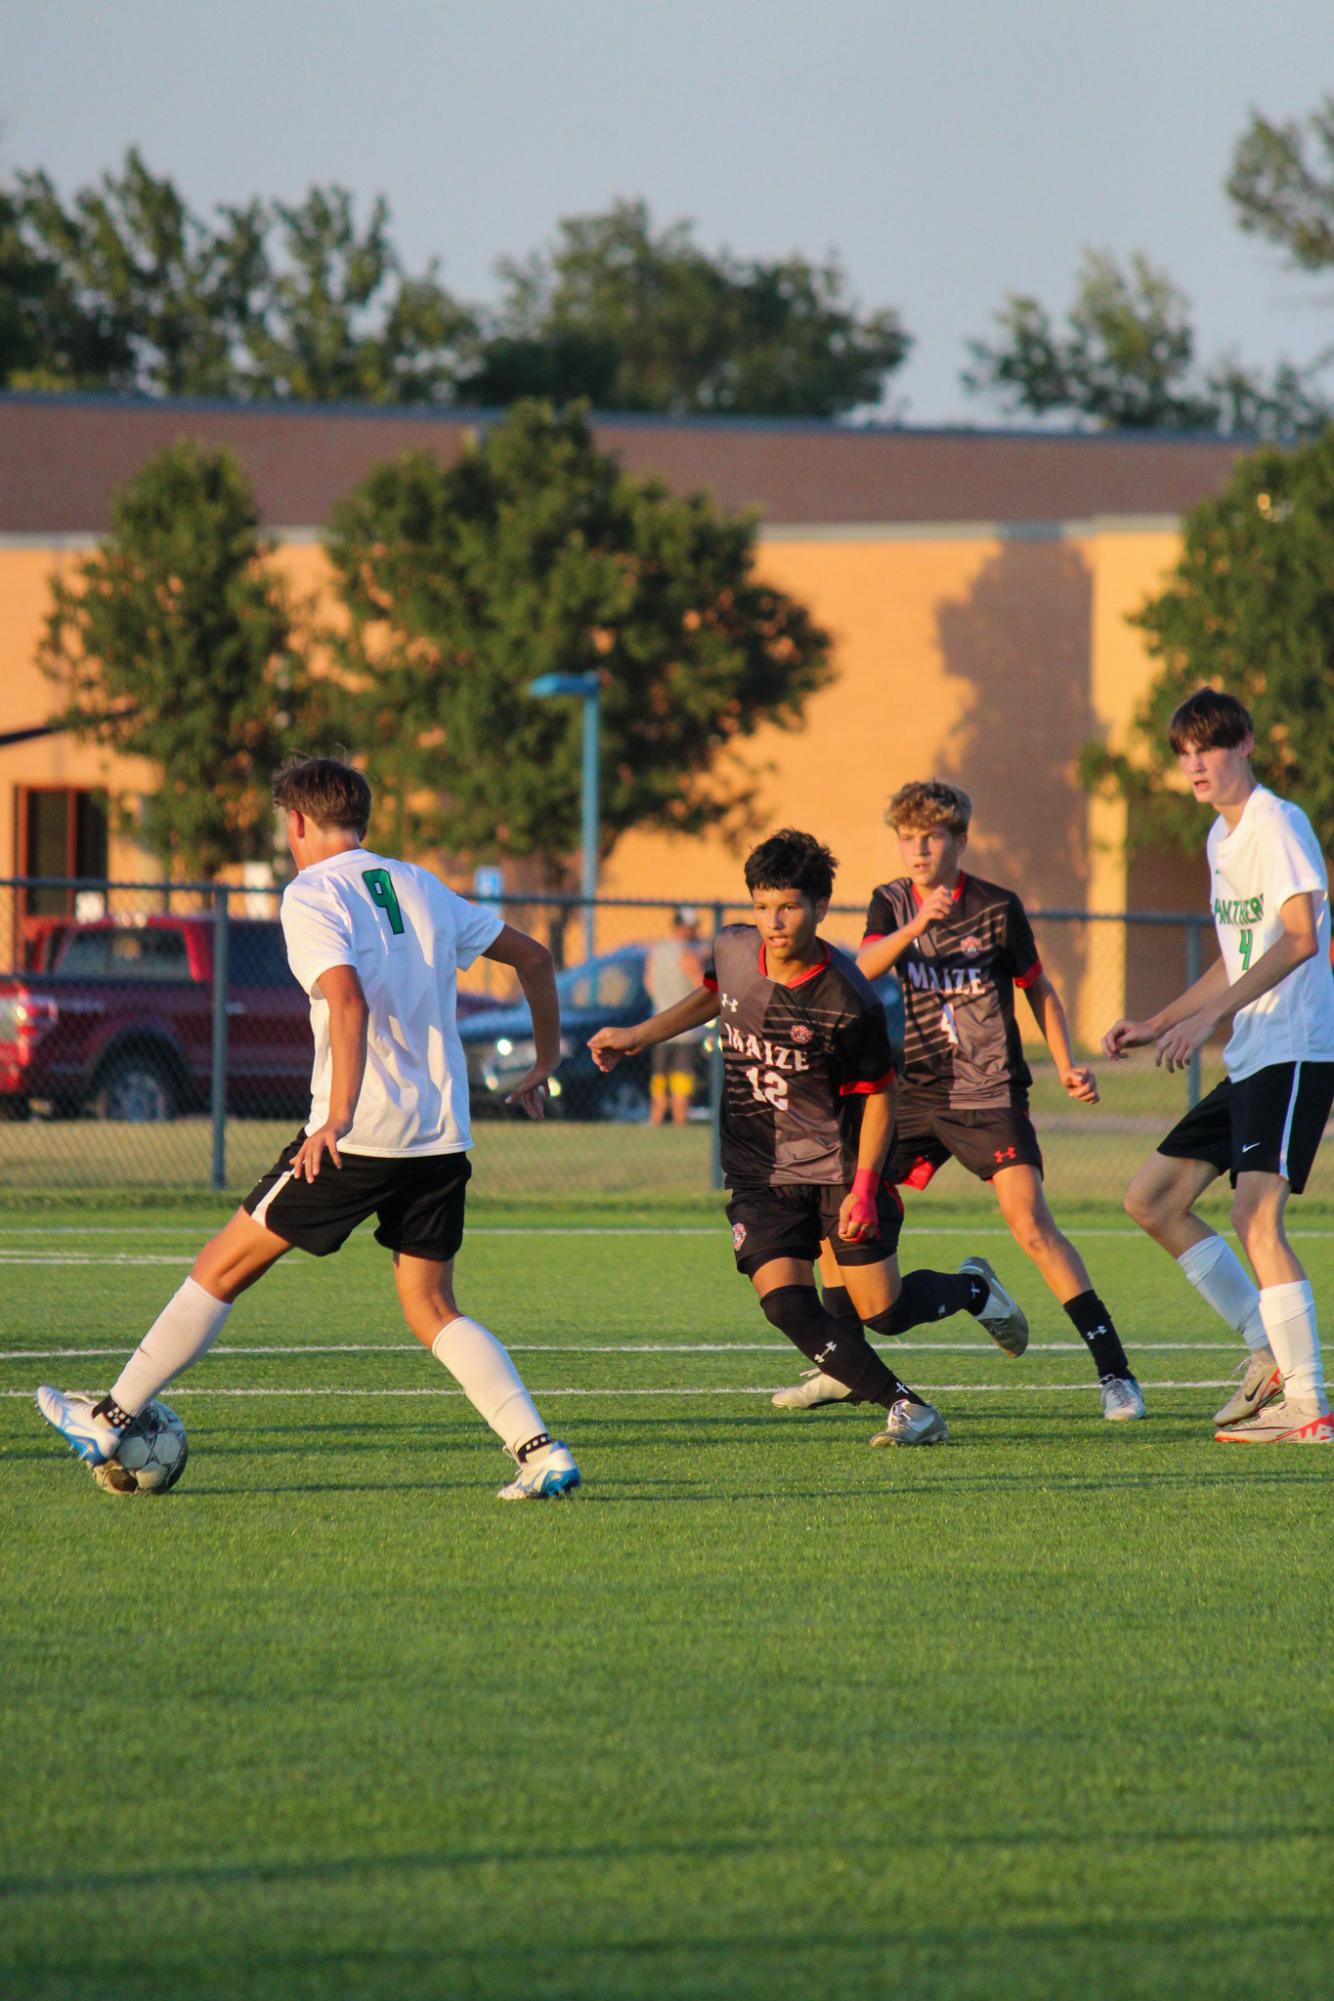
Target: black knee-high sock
[
  {"x": 1094, "y": 1325},
  {"x": 926, "y": 1295},
  {"x": 837, "y": 1346}
]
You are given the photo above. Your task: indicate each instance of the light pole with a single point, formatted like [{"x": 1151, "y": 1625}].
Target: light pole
[{"x": 587, "y": 687}]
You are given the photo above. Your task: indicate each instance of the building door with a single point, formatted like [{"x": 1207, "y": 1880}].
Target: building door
[{"x": 62, "y": 833}]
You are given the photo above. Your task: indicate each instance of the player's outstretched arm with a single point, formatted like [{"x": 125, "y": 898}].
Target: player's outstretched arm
[
  {"x": 878, "y": 955},
  {"x": 1300, "y": 942},
  {"x": 1125, "y": 1034},
  {"x": 533, "y": 963},
  {"x": 1049, "y": 1014},
  {"x": 609, "y": 1045},
  {"x": 349, "y": 1019}
]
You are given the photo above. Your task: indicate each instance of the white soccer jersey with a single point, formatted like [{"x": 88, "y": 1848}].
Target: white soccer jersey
[
  {"x": 1270, "y": 855},
  {"x": 407, "y": 937}
]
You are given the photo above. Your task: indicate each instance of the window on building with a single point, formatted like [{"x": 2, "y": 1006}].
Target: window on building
[{"x": 62, "y": 832}]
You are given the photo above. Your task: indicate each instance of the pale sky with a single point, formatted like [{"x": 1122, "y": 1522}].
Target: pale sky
[{"x": 947, "y": 152}]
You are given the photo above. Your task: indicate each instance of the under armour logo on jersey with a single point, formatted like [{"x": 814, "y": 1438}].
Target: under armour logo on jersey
[
  {"x": 731, "y": 1003},
  {"x": 1006, "y": 1153}
]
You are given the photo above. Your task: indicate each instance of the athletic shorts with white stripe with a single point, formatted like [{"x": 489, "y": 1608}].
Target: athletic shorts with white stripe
[
  {"x": 418, "y": 1201},
  {"x": 1268, "y": 1123}
]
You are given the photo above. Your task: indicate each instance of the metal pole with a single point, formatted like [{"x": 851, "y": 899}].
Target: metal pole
[
  {"x": 592, "y": 720},
  {"x": 1193, "y": 1092},
  {"x": 221, "y": 927},
  {"x": 716, "y": 1085}
]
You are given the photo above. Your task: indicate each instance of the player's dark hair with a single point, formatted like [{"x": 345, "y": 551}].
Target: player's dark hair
[
  {"x": 791, "y": 860},
  {"x": 1209, "y": 720},
  {"x": 926, "y": 803},
  {"x": 327, "y": 792}
]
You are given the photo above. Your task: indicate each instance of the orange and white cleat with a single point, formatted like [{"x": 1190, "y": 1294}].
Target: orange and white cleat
[{"x": 1282, "y": 1423}]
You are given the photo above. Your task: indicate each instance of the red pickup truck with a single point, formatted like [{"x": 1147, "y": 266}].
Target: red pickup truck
[{"x": 121, "y": 1023}]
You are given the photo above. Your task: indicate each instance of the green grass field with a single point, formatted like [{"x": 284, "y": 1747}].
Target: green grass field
[{"x": 760, "y": 1713}]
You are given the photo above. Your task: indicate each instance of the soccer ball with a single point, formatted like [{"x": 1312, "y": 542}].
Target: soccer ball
[{"x": 152, "y": 1456}]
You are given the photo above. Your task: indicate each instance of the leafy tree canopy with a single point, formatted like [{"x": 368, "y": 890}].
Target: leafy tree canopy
[
  {"x": 1249, "y": 608},
  {"x": 1125, "y": 358},
  {"x": 1282, "y": 185},
  {"x": 536, "y": 554},
  {"x": 638, "y": 319},
  {"x": 173, "y": 641}
]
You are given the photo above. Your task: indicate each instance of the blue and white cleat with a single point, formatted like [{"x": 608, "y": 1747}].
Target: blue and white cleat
[
  {"x": 95, "y": 1439},
  {"x": 547, "y": 1475}
]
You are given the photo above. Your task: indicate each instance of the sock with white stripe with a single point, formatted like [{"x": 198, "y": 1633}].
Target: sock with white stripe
[
  {"x": 186, "y": 1328},
  {"x": 1289, "y": 1317},
  {"x": 1222, "y": 1281},
  {"x": 488, "y": 1378}
]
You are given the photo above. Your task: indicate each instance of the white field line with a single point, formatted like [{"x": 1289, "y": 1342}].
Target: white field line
[
  {"x": 915, "y": 1228},
  {"x": 637, "y": 1348},
  {"x": 676, "y": 1390}
]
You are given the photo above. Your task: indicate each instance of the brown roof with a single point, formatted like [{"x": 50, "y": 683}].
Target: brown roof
[{"x": 60, "y": 458}]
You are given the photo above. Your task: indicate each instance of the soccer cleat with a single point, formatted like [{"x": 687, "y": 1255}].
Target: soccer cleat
[
  {"x": 1261, "y": 1382},
  {"x": 1003, "y": 1317},
  {"x": 547, "y": 1475},
  {"x": 1122, "y": 1399},
  {"x": 1281, "y": 1423},
  {"x": 812, "y": 1393},
  {"x": 93, "y": 1438},
  {"x": 912, "y": 1424}
]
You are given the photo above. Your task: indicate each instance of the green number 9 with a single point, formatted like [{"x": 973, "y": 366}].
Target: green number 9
[{"x": 383, "y": 897}]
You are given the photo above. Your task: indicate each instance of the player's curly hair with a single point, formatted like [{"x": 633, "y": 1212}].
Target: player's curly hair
[
  {"x": 927, "y": 803},
  {"x": 328, "y": 792},
  {"x": 792, "y": 860},
  {"x": 1209, "y": 720}
]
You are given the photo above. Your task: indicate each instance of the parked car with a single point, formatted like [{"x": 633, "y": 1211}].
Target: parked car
[
  {"x": 604, "y": 992},
  {"x": 120, "y": 1024}
]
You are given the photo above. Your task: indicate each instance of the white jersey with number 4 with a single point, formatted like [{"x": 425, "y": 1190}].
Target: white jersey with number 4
[
  {"x": 407, "y": 938},
  {"x": 1271, "y": 855}
]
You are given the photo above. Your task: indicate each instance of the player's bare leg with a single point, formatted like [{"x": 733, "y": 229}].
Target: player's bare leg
[
  {"x": 1287, "y": 1310},
  {"x": 1161, "y": 1199},
  {"x": 488, "y": 1378},
  {"x": 185, "y": 1330},
  {"x": 842, "y": 1355},
  {"x": 1023, "y": 1204}
]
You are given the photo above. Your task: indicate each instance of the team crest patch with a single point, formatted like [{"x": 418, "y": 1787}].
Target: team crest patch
[
  {"x": 800, "y": 1032},
  {"x": 972, "y": 946},
  {"x": 738, "y": 1235}
]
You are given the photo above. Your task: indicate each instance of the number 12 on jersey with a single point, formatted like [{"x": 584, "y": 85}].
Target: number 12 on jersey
[{"x": 382, "y": 895}]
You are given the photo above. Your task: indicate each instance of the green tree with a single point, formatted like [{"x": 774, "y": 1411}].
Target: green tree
[
  {"x": 534, "y": 553},
  {"x": 635, "y": 319},
  {"x": 340, "y": 319},
  {"x": 1250, "y": 608},
  {"x": 1282, "y": 185},
  {"x": 141, "y": 294},
  {"x": 1125, "y": 359},
  {"x": 173, "y": 641}
]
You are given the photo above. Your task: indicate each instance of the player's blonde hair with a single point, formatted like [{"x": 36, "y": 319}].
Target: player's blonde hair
[{"x": 927, "y": 803}]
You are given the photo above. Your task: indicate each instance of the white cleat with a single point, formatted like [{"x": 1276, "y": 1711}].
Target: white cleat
[
  {"x": 71, "y": 1412},
  {"x": 1261, "y": 1382},
  {"x": 1122, "y": 1399},
  {"x": 813, "y": 1391},
  {"x": 912, "y": 1424},
  {"x": 1281, "y": 1423},
  {"x": 1003, "y": 1317},
  {"x": 547, "y": 1475}
]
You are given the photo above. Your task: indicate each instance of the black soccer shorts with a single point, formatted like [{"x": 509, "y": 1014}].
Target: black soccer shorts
[
  {"x": 982, "y": 1141},
  {"x": 419, "y": 1202},
  {"x": 1269, "y": 1123},
  {"x": 793, "y": 1220}
]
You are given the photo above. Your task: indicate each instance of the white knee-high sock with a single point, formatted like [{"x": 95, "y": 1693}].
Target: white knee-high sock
[
  {"x": 186, "y": 1328},
  {"x": 1289, "y": 1317},
  {"x": 484, "y": 1372},
  {"x": 1222, "y": 1281}
]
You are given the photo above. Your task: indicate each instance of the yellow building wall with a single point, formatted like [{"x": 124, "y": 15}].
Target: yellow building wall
[{"x": 980, "y": 656}]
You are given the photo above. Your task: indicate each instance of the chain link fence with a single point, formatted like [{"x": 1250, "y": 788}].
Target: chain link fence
[{"x": 152, "y": 1037}]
